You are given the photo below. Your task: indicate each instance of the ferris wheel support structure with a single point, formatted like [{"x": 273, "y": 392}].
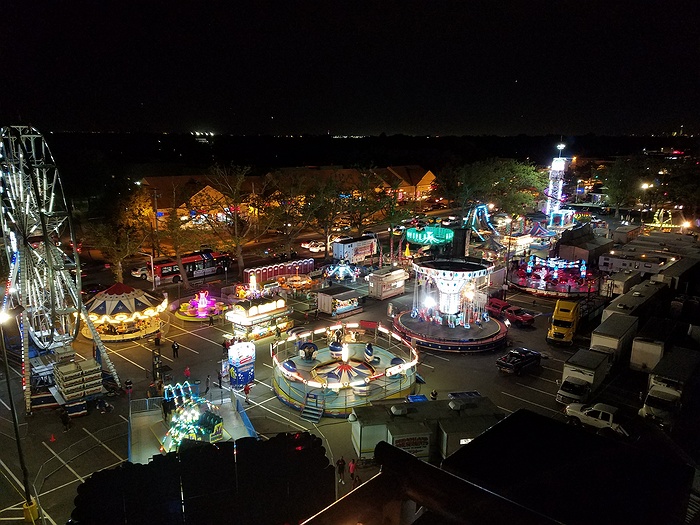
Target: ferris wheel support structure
[{"x": 44, "y": 280}]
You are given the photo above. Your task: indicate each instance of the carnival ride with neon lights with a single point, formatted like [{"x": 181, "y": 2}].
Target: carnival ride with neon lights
[
  {"x": 44, "y": 279},
  {"x": 189, "y": 417},
  {"x": 200, "y": 307},
  {"x": 478, "y": 220},
  {"x": 334, "y": 369},
  {"x": 554, "y": 276},
  {"x": 449, "y": 307}
]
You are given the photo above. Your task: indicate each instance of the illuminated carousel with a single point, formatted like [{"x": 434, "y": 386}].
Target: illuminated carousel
[
  {"x": 449, "y": 307},
  {"x": 123, "y": 313},
  {"x": 328, "y": 371}
]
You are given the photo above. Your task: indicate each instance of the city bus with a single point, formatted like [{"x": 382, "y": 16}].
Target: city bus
[{"x": 197, "y": 264}]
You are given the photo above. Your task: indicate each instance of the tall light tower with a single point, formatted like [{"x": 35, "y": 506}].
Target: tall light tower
[{"x": 556, "y": 183}]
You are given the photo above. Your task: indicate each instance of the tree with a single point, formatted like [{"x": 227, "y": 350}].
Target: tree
[
  {"x": 623, "y": 180},
  {"x": 392, "y": 213},
  {"x": 328, "y": 202},
  {"x": 238, "y": 216},
  {"x": 121, "y": 233},
  {"x": 289, "y": 208}
]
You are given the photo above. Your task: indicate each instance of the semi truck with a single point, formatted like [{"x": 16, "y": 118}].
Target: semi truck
[
  {"x": 568, "y": 315},
  {"x": 668, "y": 385},
  {"x": 615, "y": 335},
  {"x": 583, "y": 374}
]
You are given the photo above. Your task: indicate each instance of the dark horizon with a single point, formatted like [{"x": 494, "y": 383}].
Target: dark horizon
[{"x": 363, "y": 68}]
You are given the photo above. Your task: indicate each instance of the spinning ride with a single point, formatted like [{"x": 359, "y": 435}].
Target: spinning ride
[
  {"x": 449, "y": 303},
  {"x": 44, "y": 279},
  {"x": 329, "y": 378}
]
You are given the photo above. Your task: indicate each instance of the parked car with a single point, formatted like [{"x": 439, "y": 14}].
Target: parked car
[
  {"x": 317, "y": 246},
  {"x": 598, "y": 416},
  {"x": 500, "y": 309},
  {"x": 339, "y": 238},
  {"x": 518, "y": 359},
  {"x": 140, "y": 272},
  {"x": 307, "y": 244},
  {"x": 399, "y": 229}
]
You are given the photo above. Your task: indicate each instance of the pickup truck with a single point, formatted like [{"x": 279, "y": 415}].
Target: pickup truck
[
  {"x": 600, "y": 416},
  {"x": 500, "y": 309}
]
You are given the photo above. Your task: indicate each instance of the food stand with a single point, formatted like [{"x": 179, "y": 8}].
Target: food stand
[{"x": 257, "y": 318}]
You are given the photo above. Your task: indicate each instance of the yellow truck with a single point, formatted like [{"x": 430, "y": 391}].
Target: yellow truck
[{"x": 564, "y": 322}]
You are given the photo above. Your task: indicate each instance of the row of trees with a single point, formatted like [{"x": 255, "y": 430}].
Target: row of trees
[
  {"x": 239, "y": 212},
  {"x": 655, "y": 181}
]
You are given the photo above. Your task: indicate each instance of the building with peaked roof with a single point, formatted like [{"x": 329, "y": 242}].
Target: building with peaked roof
[{"x": 412, "y": 182}]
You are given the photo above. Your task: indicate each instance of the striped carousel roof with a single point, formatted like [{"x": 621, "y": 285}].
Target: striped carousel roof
[{"x": 121, "y": 298}]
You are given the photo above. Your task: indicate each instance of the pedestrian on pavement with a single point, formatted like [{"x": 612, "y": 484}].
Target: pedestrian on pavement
[
  {"x": 433, "y": 395},
  {"x": 316, "y": 314},
  {"x": 206, "y": 390},
  {"x": 246, "y": 391},
  {"x": 351, "y": 469},
  {"x": 65, "y": 419},
  {"x": 306, "y": 318},
  {"x": 157, "y": 338},
  {"x": 187, "y": 373},
  {"x": 211, "y": 320},
  {"x": 340, "y": 467},
  {"x": 221, "y": 379},
  {"x": 176, "y": 348},
  {"x": 278, "y": 332},
  {"x": 224, "y": 347}
]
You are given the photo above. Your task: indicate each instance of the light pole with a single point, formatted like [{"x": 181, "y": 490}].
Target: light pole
[
  {"x": 153, "y": 275},
  {"x": 31, "y": 511},
  {"x": 646, "y": 187},
  {"x": 509, "y": 224}
]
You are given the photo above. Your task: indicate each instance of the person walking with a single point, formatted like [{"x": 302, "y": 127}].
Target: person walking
[
  {"x": 211, "y": 320},
  {"x": 351, "y": 469},
  {"x": 65, "y": 419},
  {"x": 224, "y": 347},
  {"x": 176, "y": 350},
  {"x": 156, "y": 339},
  {"x": 221, "y": 378},
  {"x": 206, "y": 390},
  {"x": 187, "y": 373},
  {"x": 340, "y": 467},
  {"x": 246, "y": 391}
]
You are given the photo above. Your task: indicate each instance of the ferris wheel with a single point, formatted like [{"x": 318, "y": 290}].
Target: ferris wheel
[{"x": 44, "y": 279}]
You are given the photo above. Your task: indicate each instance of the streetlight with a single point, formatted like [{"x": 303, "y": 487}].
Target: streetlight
[
  {"x": 509, "y": 223},
  {"x": 153, "y": 275},
  {"x": 31, "y": 511},
  {"x": 646, "y": 187},
  {"x": 561, "y": 147}
]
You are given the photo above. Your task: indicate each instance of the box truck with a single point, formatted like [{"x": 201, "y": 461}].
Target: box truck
[
  {"x": 614, "y": 336},
  {"x": 668, "y": 383},
  {"x": 582, "y": 376}
]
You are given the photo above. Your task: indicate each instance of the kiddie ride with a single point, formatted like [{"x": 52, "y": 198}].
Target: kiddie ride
[
  {"x": 200, "y": 307},
  {"x": 190, "y": 417}
]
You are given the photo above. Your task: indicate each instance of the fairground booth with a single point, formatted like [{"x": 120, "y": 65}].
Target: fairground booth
[
  {"x": 256, "y": 318},
  {"x": 339, "y": 301},
  {"x": 122, "y": 313}
]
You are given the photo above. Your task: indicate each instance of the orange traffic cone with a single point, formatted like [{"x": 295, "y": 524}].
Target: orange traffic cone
[{"x": 53, "y": 438}]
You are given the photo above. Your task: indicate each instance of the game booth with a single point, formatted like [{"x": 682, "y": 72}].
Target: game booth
[{"x": 254, "y": 319}]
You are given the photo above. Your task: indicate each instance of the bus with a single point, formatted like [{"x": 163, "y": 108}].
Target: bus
[{"x": 196, "y": 264}]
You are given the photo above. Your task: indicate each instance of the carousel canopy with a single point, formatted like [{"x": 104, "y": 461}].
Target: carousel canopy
[{"x": 121, "y": 299}]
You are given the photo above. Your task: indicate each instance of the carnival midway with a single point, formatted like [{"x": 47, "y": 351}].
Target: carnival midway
[{"x": 324, "y": 371}]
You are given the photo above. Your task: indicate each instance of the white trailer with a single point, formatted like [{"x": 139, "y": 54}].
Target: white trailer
[
  {"x": 582, "y": 375},
  {"x": 668, "y": 384},
  {"x": 355, "y": 250},
  {"x": 614, "y": 335}
]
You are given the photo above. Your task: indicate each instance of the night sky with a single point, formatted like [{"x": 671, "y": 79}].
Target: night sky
[{"x": 457, "y": 67}]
